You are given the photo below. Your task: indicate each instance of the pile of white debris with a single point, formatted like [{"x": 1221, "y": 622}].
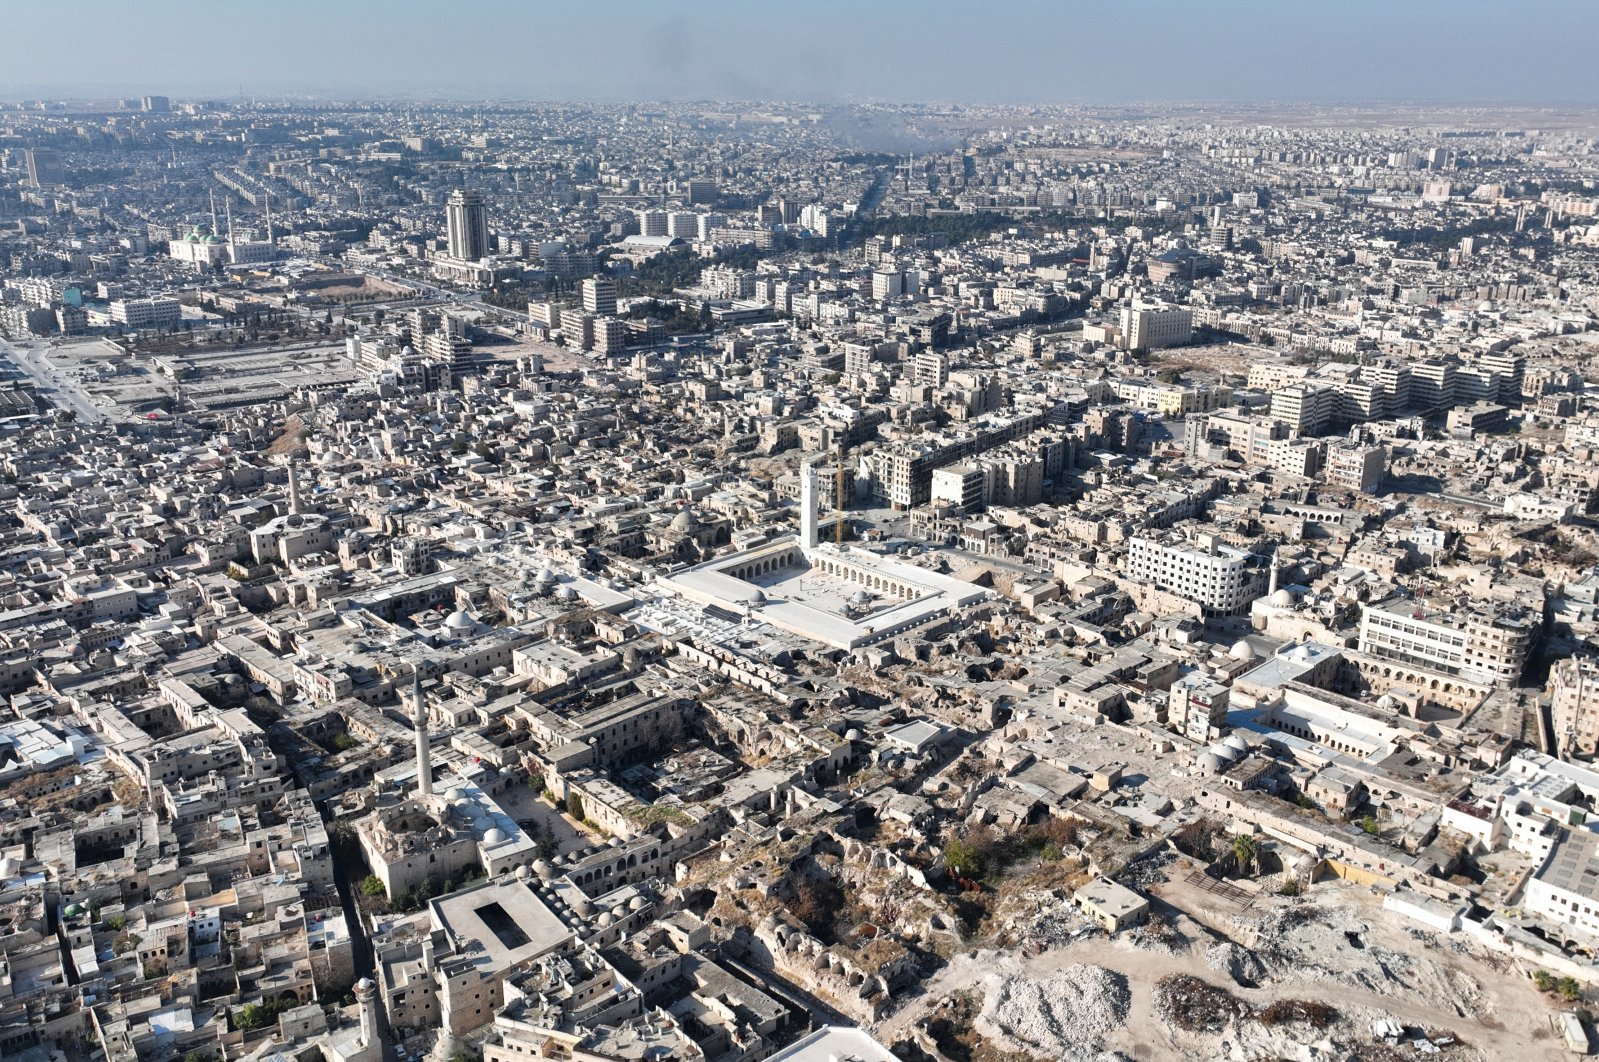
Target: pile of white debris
[{"x": 1064, "y": 1016}]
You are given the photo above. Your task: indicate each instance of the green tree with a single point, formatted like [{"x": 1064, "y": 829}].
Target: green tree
[
  {"x": 371, "y": 886},
  {"x": 574, "y": 805},
  {"x": 962, "y": 857},
  {"x": 1544, "y": 980},
  {"x": 1246, "y": 852},
  {"x": 1569, "y": 988}
]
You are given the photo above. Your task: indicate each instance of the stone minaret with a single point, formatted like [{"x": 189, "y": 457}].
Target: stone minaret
[
  {"x": 808, "y": 505},
  {"x": 424, "y": 757}
]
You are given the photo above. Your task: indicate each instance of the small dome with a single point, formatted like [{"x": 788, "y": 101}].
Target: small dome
[
  {"x": 685, "y": 521},
  {"x": 1386, "y": 701},
  {"x": 1233, "y": 741},
  {"x": 494, "y": 836},
  {"x": 542, "y": 868},
  {"x": 606, "y": 919},
  {"x": 637, "y": 903},
  {"x": 566, "y": 593},
  {"x": 546, "y": 576},
  {"x": 1208, "y": 763},
  {"x": 73, "y": 910},
  {"x": 1282, "y": 599},
  {"x": 860, "y": 599},
  {"x": 1242, "y": 650},
  {"x": 455, "y": 794},
  {"x": 523, "y": 873},
  {"x": 461, "y": 619},
  {"x": 364, "y": 985},
  {"x": 854, "y": 734}
]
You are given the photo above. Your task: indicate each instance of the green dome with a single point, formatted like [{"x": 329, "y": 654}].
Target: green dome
[{"x": 74, "y": 910}]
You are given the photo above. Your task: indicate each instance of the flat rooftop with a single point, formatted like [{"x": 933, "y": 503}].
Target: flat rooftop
[
  {"x": 841, "y": 596},
  {"x": 506, "y": 918},
  {"x": 835, "y": 1043}
]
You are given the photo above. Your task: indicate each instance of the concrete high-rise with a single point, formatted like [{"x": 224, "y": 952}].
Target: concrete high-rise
[
  {"x": 467, "y": 225},
  {"x": 599, "y": 296}
]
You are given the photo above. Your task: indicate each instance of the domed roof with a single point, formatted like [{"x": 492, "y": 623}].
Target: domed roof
[
  {"x": 365, "y": 984},
  {"x": 606, "y": 919},
  {"x": 461, "y": 619},
  {"x": 546, "y": 576},
  {"x": 1208, "y": 762},
  {"x": 685, "y": 521},
  {"x": 542, "y": 868},
  {"x": 1233, "y": 741},
  {"x": 1242, "y": 650},
  {"x": 1281, "y": 599},
  {"x": 523, "y": 873},
  {"x": 73, "y": 910},
  {"x": 566, "y": 593},
  {"x": 1223, "y": 751},
  {"x": 494, "y": 836},
  {"x": 637, "y": 903}
]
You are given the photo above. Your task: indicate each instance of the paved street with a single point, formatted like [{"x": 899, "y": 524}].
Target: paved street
[{"x": 33, "y": 360}]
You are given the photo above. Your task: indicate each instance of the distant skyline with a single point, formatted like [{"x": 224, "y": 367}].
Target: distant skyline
[{"x": 1033, "y": 51}]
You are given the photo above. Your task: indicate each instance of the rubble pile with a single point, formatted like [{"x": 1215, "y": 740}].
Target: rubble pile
[
  {"x": 1065, "y": 1016},
  {"x": 1306, "y": 945},
  {"x": 1239, "y": 963},
  {"x": 1196, "y": 1006},
  {"x": 1148, "y": 870}
]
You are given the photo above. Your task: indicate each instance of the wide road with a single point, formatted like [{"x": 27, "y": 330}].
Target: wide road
[{"x": 52, "y": 382}]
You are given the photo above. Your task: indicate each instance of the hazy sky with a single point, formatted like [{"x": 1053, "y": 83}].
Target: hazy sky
[{"x": 1000, "y": 50}]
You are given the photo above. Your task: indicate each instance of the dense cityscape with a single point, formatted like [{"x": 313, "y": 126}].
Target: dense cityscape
[{"x": 724, "y": 581}]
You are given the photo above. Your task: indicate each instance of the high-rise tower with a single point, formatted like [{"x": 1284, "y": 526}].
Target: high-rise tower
[
  {"x": 599, "y": 296},
  {"x": 467, "y": 224}
]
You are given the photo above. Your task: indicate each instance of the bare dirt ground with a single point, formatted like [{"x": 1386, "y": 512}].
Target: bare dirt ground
[
  {"x": 1214, "y": 359},
  {"x": 1334, "y": 946}
]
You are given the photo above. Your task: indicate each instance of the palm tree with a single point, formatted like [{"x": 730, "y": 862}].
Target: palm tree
[{"x": 1246, "y": 852}]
